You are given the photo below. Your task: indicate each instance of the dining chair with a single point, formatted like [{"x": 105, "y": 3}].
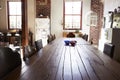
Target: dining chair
[
  {"x": 28, "y": 52},
  {"x": 38, "y": 44},
  {"x": 85, "y": 37},
  {"x": 54, "y": 37},
  {"x": 50, "y": 38},
  {"x": 109, "y": 49}
]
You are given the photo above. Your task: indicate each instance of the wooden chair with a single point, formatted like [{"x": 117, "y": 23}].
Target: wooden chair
[
  {"x": 108, "y": 49},
  {"x": 38, "y": 44},
  {"x": 54, "y": 37},
  {"x": 50, "y": 39},
  {"x": 28, "y": 52},
  {"x": 85, "y": 37}
]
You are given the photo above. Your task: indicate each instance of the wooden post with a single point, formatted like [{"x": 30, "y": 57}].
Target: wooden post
[{"x": 24, "y": 25}]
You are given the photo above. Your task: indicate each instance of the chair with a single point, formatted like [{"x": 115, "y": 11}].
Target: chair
[
  {"x": 50, "y": 38},
  {"x": 108, "y": 49},
  {"x": 91, "y": 41},
  {"x": 9, "y": 60},
  {"x": 38, "y": 44},
  {"x": 28, "y": 52},
  {"x": 54, "y": 37},
  {"x": 85, "y": 37}
]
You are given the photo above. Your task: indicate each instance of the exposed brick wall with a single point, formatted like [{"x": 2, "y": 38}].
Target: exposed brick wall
[
  {"x": 97, "y": 7},
  {"x": 43, "y": 9}
]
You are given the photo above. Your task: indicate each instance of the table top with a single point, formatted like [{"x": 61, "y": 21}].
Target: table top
[{"x": 56, "y": 61}]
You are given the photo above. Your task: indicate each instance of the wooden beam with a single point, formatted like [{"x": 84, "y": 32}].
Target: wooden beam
[{"x": 24, "y": 23}]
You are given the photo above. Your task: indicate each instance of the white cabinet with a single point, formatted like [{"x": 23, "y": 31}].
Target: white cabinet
[{"x": 42, "y": 29}]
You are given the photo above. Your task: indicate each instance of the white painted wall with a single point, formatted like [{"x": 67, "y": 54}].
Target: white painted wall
[
  {"x": 110, "y": 5},
  {"x": 31, "y": 9},
  {"x": 57, "y": 17},
  {"x": 3, "y": 15}
]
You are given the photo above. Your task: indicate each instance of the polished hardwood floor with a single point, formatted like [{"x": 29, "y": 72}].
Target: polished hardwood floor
[{"x": 59, "y": 62}]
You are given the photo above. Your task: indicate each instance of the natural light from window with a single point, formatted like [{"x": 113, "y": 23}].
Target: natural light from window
[
  {"x": 14, "y": 15},
  {"x": 72, "y": 15}
]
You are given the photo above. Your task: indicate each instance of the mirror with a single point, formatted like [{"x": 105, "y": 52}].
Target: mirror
[{"x": 91, "y": 18}]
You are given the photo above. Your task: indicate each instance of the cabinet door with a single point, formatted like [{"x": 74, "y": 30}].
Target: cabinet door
[{"x": 115, "y": 36}]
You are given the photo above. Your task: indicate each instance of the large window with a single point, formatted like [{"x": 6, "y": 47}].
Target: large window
[
  {"x": 14, "y": 15},
  {"x": 72, "y": 15}
]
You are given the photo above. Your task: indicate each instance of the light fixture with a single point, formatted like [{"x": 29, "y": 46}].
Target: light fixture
[
  {"x": 1, "y": 33},
  {"x": 17, "y": 34},
  {"x": 9, "y": 34}
]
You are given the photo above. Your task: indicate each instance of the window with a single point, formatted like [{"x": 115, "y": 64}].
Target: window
[
  {"x": 14, "y": 15},
  {"x": 72, "y": 15}
]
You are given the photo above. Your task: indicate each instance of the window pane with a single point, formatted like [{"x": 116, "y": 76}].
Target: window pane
[
  {"x": 68, "y": 21},
  {"x": 15, "y": 8},
  {"x": 15, "y": 15},
  {"x": 12, "y": 8},
  {"x": 72, "y": 15},
  {"x": 18, "y": 5},
  {"x": 76, "y": 21},
  {"x": 68, "y": 8},
  {"x": 72, "y": 21},
  {"x": 12, "y": 21},
  {"x": 76, "y": 7},
  {"x": 18, "y": 22},
  {"x": 72, "y": 7}
]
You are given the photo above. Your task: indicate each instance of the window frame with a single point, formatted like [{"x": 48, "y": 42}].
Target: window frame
[
  {"x": 8, "y": 13},
  {"x": 80, "y": 27}
]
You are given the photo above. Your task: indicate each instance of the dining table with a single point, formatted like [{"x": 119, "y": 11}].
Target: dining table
[{"x": 58, "y": 61}]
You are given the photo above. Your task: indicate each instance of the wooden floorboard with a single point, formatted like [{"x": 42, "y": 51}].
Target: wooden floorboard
[
  {"x": 67, "y": 65},
  {"x": 56, "y": 61},
  {"x": 75, "y": 67}
]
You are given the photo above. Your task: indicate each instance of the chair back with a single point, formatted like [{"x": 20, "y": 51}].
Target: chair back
[
  {"x": 109, "y": 49},
  {"x": 85, "y": 37},
  {"x": 38, "y": 44}
]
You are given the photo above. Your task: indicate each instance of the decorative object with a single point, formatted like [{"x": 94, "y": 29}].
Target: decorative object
[
  {"x": 73, "y": 43},
  {"x": 67, "y": 42},
  {"x": 70, "y": 43},
  {"x": 91, "y": 18}
]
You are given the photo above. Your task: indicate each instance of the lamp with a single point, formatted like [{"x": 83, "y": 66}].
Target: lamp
[
  {"x": 17, "y": 34},
  {"x": 1, "y": 34},
  {"x": 9, "y": 34}
]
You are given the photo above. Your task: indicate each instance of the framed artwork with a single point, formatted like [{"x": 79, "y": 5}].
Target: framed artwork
[{"x": 42, "y": 2}]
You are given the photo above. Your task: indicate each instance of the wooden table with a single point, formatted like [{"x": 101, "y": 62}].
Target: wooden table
[{"x": 59, "y": 62}]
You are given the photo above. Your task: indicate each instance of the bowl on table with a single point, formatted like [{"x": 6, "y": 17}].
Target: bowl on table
[
  {"x": 67, "y": 42},
  {"x": 73, "y": 43}
]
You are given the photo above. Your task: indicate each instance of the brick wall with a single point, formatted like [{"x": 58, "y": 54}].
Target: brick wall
[
  {"x": 43, "y": 8},
  {"x": 97, "y": 7}
]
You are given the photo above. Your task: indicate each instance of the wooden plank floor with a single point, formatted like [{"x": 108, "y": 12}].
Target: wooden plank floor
[{"x": 59, "y": 62}]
